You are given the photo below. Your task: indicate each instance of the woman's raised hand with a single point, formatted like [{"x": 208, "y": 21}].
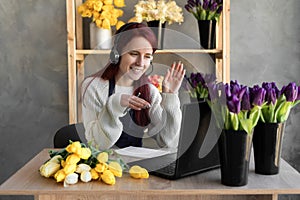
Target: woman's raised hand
[{"x": 173, "y": 78}]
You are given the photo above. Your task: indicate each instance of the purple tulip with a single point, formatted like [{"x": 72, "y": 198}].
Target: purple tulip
[
  {"x": 298, "y": 96},
  {"x": 219, "y": 10},
  {"x": 246, "y": 100},
  {"x": 290, "y": 91},
  {"x": 188, "y": 7},
  {"x": 234, "y": 104},
  {"x": 272, "y": 92},
  {"x": 257, "y": 95},
  {"x": 192, "y": 3},
  {"x": 198, "y": 3},
  {"x": 205, "y": 4},
  {"x": 213, "y": 6}
]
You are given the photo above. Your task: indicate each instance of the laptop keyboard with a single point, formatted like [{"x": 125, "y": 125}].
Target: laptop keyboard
[{"x": 169, "y": 169}]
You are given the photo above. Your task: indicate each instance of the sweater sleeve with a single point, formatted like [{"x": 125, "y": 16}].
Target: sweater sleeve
[
  {"x": 166, "y": 118},
  {"x": 101, "y": 114}
]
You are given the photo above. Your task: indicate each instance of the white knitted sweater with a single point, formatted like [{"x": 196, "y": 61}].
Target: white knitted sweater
[{"x": 101, "y": 114}]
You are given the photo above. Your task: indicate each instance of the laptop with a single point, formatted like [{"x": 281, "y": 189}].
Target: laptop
[{"x": 197, "y": 146}]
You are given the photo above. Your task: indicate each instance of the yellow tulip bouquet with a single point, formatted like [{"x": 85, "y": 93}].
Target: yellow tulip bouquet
[
  {"x": 103, "y": 12},
  {"x": 77, "y": 161}
]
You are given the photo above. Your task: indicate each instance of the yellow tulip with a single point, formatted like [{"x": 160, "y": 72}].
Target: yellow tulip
[
  {"x": 49, "y": 169},
  {"x": 98, "y": 6},
  {"x": 60, "y": 175},
  {"x": 106, "y": 24},
  {"x": 113, "y": 21},
  {"x": 85, "y": 153},
  {"x": 138, "y": 172},
  {"x": 74, "y": 147},
  {"x": 63, "y": 163},
  {"x": 87, "y": 13},
  {"x": 102, "y": 157},
  {"x": 108, "y": 2},
  {"x": 70, "y": 168},
  {"x": 57, "y": 159},
  {"x": 98, "y": 23},
  {"x": 72, "y": 159},
  {"x": 119, "y": 3},
  {"x": 119, "y": 24},
  {"x": 115, "y": 168},
  {"x": 94, "y": 174},
  {"x": 101, "y": 167},
  {"x": 134, "y": 19},
  {"x": 108, "y": 177},
  {"x": 81, "y": 9},
  {"x": 108, "y": 8}
]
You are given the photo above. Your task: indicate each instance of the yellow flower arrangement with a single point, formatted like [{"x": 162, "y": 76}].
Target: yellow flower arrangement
[
  {"x": 78, "y": 162},
  {"x": 161, "y": 10},
  {"x": 103, "y": 12}
]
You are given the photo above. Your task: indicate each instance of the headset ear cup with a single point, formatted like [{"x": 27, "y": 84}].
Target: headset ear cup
[{"x": 114, "y": 56}]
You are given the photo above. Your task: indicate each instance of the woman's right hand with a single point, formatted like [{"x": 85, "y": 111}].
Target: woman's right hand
[{"x": 134, "y": 102}]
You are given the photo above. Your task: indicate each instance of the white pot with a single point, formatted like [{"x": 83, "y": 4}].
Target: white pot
[{"x": 100, "y": 38}]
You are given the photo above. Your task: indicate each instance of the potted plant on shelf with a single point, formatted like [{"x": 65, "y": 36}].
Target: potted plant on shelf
[
  {"x": 104, "y": 15},
  {"x": 268, "y": 134},
  {"x": 207, "y": 13},
  {"x": 156, "y": 14}
]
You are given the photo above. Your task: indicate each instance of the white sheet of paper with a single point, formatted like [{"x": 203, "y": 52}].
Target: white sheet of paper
[{"x": 141, "y": 152}]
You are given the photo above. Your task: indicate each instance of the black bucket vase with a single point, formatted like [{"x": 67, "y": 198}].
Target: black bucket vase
[
  {"x": 207, "y": 33},
  {"x": 159, "y": 29},
  {"x": 234, "y": 151},
  {"x": 267, "y": 145}
]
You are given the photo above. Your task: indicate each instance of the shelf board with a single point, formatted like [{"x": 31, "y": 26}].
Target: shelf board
[{"x": 80, "y": 52}]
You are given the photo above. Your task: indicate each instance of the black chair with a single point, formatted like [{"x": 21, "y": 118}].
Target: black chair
[{"x": 73, "y": 132}]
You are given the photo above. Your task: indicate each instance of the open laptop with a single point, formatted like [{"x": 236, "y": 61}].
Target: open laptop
[{"x": 197, "y": 147}]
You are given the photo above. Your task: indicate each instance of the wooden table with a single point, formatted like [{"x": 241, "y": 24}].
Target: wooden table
[{"x": 205, "y": 186}]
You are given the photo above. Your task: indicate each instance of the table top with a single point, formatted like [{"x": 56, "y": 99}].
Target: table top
[{"x": 28, "y": 181}]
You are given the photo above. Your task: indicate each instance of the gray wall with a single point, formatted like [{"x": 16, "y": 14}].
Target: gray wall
[{"x": 265, "y": 46}]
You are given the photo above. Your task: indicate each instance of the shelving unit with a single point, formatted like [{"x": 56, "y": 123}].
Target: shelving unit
[{"x": 76, "y": 53}]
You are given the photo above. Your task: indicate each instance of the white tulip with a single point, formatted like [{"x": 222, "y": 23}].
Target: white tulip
[
  {"x": 49, "y": 169},
  {"x": 71, "y": 179},
  {"x": 82, "y": 167},
  {"x": 86, "y": 176}
]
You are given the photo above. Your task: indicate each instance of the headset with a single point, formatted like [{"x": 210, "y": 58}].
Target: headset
[{"x": 114, "y": 55}]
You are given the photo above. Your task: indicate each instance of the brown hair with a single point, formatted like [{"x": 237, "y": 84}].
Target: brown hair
[{"x": 140, "y": 117}]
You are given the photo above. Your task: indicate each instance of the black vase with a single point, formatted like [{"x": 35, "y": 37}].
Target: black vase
[
  {"x": 234, "y": 151},
  {"x": 207, "y": 33},
  {"x": 159, "y": 30},
  {"x": 267, "y": 143}
]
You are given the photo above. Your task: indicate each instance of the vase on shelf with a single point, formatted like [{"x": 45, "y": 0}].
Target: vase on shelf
[
  {"x": 100, "y": 38},
  {"x": 267, "y": 145},
  {"x": 159, "y": 29},
  {"x": 207, "y": 33},
  {"x": 234, "y": 152}
]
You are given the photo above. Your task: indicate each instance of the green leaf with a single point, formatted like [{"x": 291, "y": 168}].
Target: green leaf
[
  {"x": 283, "y": 111},
  {"x": 246, "y": 123}
]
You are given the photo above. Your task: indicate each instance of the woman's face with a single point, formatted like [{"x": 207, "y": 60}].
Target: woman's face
[{"x": 135, "y": 60}]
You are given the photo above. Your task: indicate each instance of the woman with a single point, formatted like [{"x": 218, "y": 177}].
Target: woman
[{"x": 119, "y": 105}]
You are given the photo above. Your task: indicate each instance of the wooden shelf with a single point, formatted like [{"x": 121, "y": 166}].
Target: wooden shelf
[{"x": 76, "y": 53}]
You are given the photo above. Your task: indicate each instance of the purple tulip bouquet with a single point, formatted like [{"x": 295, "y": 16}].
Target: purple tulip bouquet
[
  {"x": 205, "y": 9},
  {"x": 278, "y": 103}
]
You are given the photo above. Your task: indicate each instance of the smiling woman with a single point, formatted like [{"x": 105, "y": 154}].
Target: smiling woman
[{"x": 119, "y": 103}]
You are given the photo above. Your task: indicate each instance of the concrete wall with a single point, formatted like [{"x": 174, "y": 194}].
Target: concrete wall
[{"x": 265, "y": 46}]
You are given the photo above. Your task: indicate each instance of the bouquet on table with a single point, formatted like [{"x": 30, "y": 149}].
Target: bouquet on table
[{"x": 77, "y": 161}]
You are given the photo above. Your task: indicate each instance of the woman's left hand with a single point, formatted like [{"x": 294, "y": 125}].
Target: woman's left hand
[{"x": 173, "y": 78}]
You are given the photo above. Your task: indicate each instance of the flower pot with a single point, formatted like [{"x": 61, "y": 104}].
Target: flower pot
[
  {"x": 207, "y": 33},
  {"x": 267, "y": 143},
  {"x": 159, "y": 30},
  {"x": 234, "y": 151},
  {"x": 100, "y": 38}
]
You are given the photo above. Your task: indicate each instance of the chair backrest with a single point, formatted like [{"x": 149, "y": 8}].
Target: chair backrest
[{"x": 73, "y": 132}]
